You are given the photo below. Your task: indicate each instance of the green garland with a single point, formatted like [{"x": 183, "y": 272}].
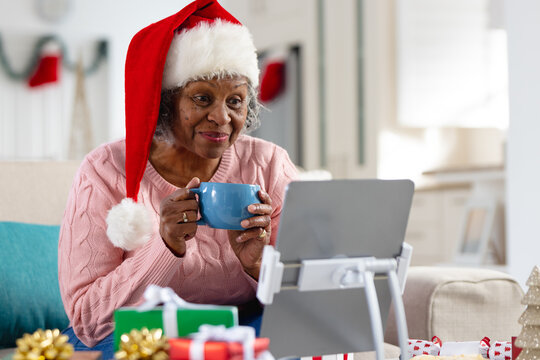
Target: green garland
[{"x": 24, "y": 74}]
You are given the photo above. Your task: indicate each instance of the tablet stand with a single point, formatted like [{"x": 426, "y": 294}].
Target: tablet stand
[{"x": 344, "y": 273}]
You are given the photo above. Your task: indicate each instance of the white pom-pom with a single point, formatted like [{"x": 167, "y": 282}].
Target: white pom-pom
[{"x": 128, "y": 225}]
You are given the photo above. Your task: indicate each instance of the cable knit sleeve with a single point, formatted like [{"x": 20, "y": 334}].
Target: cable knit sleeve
[{"x": 95, "y": 277}]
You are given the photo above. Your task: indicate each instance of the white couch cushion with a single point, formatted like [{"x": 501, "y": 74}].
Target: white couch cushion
[
  {"x": 35, "y": 191},
  {"x": 459, "y": 304}
]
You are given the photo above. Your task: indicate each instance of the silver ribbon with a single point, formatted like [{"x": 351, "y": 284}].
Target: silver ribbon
[
  {"x": 155, "y": 295},
  {"x": 243, "y": 334}
]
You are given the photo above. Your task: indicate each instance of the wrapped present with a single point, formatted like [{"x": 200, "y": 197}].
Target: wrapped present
[
  {"x": 515, "y": 349},
  {"x": 220, "y": 343},
  {"x": 347, "y": 356},
  {"x": 484, "y": 347},
  {"x": 500, "y": 350},
  {"x": 176, "y": 317},
  {"x": 423, "y": 347},
  {"x": 451, "y": 348}
]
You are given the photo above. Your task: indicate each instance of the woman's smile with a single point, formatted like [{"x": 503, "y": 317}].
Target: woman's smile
[{"x": 214, "y": 136}]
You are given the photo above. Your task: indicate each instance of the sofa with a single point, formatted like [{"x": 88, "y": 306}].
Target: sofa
[
  {"x": 456, "y": 304},
  {"x": 459, "y": 304},
  {"x": 32, "y": 198}
]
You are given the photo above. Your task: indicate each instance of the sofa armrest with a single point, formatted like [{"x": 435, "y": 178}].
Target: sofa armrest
[
  {"x": 459, "y": 304},
  {"x": 35, "y": 191}
]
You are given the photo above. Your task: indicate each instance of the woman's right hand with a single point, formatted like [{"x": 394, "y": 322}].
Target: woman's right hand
[{"x": 178, "y": 218}]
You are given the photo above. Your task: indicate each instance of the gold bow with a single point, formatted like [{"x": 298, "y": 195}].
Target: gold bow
[
  {"x": 43, "y": 345},
  {"x": 143, "y": 345}
]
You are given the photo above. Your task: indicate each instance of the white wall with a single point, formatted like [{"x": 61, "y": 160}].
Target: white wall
[
  {"x": 36, "y": 123},
  {"x": 284, "y": 22},
  {"x": 523, "y": 175},
  {"x": 404, "y": 151},
  {"x": 116, "y": 21},
  {"x": 281, "y": 23}
]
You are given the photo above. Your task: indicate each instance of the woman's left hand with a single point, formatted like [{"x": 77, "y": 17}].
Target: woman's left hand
[{"x": 248, "y": 244}]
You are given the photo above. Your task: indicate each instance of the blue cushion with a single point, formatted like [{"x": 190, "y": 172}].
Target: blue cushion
[{"x": 29, "y": 291}]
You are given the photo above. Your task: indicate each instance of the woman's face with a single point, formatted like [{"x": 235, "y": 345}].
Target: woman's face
[{"x": 210, "y": 114}]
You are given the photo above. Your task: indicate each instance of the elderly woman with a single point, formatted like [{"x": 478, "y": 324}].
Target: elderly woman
[{"x": 191, "y": 96}]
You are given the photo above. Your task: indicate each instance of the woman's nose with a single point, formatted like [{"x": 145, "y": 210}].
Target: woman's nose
[{"x": 219, "y": 113}]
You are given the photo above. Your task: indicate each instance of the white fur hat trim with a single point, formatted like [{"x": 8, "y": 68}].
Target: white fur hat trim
[
  {"x": 210, "y": 49},
  {"x": 128, "y": 225}
]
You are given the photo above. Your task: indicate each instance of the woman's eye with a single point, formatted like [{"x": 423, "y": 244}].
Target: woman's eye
[
  {"x": 236, "y": 102},
  {"x": 201, "y": 99}
]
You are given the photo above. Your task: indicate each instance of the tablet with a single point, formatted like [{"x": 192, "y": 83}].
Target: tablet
[{"x": 332, "y": 219}]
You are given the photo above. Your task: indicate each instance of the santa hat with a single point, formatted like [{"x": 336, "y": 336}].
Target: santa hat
[{"x": 201, "y": 40}]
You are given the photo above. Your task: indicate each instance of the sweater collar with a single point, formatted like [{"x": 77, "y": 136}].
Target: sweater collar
[{"x": 219, "y": 176}]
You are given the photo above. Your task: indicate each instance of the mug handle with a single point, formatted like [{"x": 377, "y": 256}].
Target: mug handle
[{"x": 198, "y": 192}]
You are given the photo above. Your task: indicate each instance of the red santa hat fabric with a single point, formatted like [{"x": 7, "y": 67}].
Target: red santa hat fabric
[{"x": 201, "y": 40}]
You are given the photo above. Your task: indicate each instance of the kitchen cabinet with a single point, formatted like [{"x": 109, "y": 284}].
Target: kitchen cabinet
[{"x": 434, "y": 223}]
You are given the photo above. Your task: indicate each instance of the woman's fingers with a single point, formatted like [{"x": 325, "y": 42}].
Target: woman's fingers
[
  {"x": 259, "y": 234},
  {"x": 176, "y": 235},
  {"x": 181, "y": 194},
  {"x": 187, "y": 216},
  {"x": 264, "y": 208},
  {"x": 178, "y": 211},
  {"x": 265, "y": 198},
  {"x": 260, "y": 209},
  {"x": 175, "y": 232},
  {"x": 248, "y": 244},
  {"x": 178, "y": 216},
  {"x": 178, "y": 207},
  {"x": 185, "y": 231},
  {"x": 184, "y": 193},
  {"x": 190, "y": 204},
  {"x": 193, "y": 183},
  {"x": 256, "y": 221}
]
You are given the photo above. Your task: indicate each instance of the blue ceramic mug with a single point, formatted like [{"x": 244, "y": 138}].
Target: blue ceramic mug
[{"x": 224, "y": 205}]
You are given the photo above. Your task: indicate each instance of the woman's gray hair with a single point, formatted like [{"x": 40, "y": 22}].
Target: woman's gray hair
[{"x": 165, "y": 120}]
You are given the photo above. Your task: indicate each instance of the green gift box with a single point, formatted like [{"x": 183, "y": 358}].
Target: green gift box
[{"x": 177, "y": 317}]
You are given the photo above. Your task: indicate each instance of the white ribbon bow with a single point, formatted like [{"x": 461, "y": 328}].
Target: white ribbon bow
[
  {"x": 243, "y": 334},
  {"x": 155, "y": 295}
]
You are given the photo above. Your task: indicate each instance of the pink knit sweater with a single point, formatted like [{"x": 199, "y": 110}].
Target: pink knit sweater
[{"x": 96, "y": 278}]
